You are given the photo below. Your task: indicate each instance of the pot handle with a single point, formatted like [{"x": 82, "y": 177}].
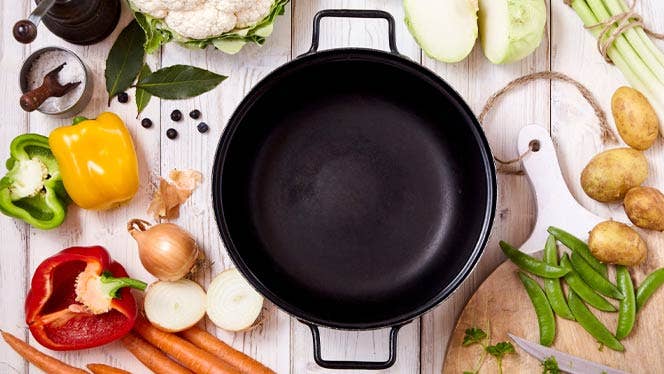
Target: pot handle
[
  {"x": 354, "y": 365},
  {"x": 352, "y": 13}
]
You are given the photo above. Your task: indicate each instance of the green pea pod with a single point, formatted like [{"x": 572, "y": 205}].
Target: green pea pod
[
  {"x": 594, "y": 279},
  {"x": 531, "y": 264},
  {"x": 579, "y": 246},
  {"x": 582, "y": 289},
  {"x": 590, "y": 323},
  {"x": 648, "y": 287},
  {"x": 552, "y": 287},
  {"x": 627, "y": 307},
  {"x": 545, "y": 317}
]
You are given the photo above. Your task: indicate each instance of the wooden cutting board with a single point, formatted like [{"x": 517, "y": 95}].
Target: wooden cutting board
[{"x": 501, "y": 305}]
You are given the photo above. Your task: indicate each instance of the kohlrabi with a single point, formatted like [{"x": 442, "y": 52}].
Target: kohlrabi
[
  {"x": 445, "y": 29},
  {"x": 511, "y": 29}
]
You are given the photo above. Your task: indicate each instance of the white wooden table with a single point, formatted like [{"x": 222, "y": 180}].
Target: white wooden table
[{"x": 281, "y": 342}]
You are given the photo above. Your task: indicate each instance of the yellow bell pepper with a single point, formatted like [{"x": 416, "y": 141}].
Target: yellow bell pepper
[{"x": 97, "y": 161}]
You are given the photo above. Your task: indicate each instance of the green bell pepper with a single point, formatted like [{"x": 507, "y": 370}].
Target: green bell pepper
[{"x": 32, "y": 189}]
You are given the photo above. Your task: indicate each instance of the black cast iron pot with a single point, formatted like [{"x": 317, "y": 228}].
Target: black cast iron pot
[{"x": 354, "y": 189}]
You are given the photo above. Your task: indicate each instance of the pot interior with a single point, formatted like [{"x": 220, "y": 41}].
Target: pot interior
[{"x": 354, "y": 190}]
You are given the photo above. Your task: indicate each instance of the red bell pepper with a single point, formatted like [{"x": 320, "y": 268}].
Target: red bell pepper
[{"x": 80, "y": 298}]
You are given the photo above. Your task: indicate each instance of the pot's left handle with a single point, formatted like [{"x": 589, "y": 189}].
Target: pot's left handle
[
  {"x": 354, "y": 365},
  {"x": 353, "y": 13}
]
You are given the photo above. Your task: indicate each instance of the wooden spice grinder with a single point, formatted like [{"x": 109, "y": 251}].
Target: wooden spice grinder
[{"x": 80, "y": 22}]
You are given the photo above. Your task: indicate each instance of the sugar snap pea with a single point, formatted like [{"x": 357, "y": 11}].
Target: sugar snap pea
[
  {"x": 590, "y": 323},
  {"x": 648, "y": 287},
  {"x": 582, "y": 289},
  {"x": 579, "y": 246},
  {"x": 552, "y": 287},
  {"x": 594, "y": 279},
  {"x": 627, "y": 307},
  {"x": 531, "y": 264},
  {"x": 545, "y": 318}
]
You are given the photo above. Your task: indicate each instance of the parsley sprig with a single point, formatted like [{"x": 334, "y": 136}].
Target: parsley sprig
[
  {"x": 474, "y": 335},
  {"x": 550, "y": 366}
]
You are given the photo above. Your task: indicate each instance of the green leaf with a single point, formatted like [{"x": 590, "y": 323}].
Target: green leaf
[
  {"x": 154, "y": 37},
  {"x": 550, "y": 366},
  {"x": 500, "y": 349},
  {"x": 124, "y": 60},
  {"x": 180, "y": 82},
  {"x": 473, "y": 336},
  {"x": 142, "y": 96}
]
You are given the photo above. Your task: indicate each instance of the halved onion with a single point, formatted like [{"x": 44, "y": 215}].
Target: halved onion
[
  {"x": 174, "y": 306},
  {"x": 233, "y": 304}
]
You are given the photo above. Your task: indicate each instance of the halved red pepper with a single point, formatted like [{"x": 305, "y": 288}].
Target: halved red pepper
[{"x": 80, "y": 298}]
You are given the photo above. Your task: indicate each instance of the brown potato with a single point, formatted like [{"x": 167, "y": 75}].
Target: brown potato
[
  {"x": 610, "y": 174},
  {"x": 635, "y": 118},
  {"x": 616, "y": 243},
  {"x": 645, "y": 207}
]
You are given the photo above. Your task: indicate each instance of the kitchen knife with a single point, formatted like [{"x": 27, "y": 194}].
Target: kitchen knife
[{"x": 566, "y": 362}]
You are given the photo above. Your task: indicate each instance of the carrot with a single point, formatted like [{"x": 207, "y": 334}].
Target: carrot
[
  {"x": 41, "y": 360},
  {"x": 190, "y": 356},
  {"x": 208, "y": 342},
  {"x": 105, "y": 369},
  {"x": 151, "y": 357}
]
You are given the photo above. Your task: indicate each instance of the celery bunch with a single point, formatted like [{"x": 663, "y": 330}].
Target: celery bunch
[{"x": 633, "y": 52}]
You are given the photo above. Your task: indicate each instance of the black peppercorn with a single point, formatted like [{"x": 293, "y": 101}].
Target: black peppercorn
[
  {"x": 146, "y": 123},
  {"x": 123, "y": 97},
  {"x": 203, "y": 127},
  {"x": 172, "y": 133},
  {"x": 195, "y": 114},
  {"x": 176, "y": 115}
]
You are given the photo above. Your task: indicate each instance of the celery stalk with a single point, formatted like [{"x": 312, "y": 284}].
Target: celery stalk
[
  {"x": 589, "y": 19},
  {"x": 646, "y": 39},
  {"x": 655, "y": 89},
  {"x": 637, "y": 43},
  {"x": 636, "y": 74}
]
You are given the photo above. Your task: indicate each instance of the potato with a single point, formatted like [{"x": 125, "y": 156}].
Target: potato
[
  {"x": 645, "y": 207},
  {"x": 616, "y": 243},
  {"x": 610, "y": 174},
  {"x": 635, "y": 118}
]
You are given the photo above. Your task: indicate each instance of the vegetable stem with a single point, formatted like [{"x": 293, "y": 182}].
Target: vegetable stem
[{"x": 111, "y": 285}]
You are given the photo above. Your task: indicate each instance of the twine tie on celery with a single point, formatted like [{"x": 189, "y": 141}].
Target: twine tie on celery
[
  {"x": 622, "y": 22},
  {"x": 606, "y": 132}
]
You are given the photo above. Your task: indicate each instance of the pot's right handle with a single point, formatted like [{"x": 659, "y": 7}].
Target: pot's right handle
[
  {"x": 354, "y": 365},
  {"x": 352, "y": 13}
]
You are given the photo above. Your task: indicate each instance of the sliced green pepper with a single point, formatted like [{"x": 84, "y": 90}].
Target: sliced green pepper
[{"x": 32, "y": 190}]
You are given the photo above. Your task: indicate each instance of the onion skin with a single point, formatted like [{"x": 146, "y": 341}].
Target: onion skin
[{"x": 166, "y": 250}]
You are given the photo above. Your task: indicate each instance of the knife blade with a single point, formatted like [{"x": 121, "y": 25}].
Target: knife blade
[{"x": 566, "y": 362}]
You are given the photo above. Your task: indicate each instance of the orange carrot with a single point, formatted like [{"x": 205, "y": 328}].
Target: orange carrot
[
  {"x": 105, "y": 369},
  {"x": 208, "y": 342},
  {"x": 195, "y": 359},
  {"x": 41, "y": 360},
  {"x": 151, "y": 357}
]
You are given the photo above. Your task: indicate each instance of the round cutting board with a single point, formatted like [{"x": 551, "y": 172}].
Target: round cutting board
[{"x": 501, "y": 305}]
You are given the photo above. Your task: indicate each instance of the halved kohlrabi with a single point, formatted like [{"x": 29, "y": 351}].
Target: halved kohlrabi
[
  {"x": 445, "y": 29},
  {"x": 511, "y": 29}
]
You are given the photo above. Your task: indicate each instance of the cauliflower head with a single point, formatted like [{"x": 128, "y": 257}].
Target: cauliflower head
[
  {"x": 188, "y": 21},
  {"x": 201, "y": 22}
]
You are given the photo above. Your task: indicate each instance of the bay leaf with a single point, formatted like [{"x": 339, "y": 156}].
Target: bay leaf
[
  {"x": 142, "y": 96},
  {"x": 180, "y": 82},
  {"x": 124, "y": 60}
]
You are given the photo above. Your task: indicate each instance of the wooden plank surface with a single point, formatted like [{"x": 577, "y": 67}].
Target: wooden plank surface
[{"x": 281, "y": 342}]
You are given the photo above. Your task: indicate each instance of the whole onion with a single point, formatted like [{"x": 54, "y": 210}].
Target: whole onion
[{"x": 166, "y": 250}]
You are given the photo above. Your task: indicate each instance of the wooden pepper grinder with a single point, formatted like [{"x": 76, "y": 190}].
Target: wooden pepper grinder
[{"x": 81, "y": 22}]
